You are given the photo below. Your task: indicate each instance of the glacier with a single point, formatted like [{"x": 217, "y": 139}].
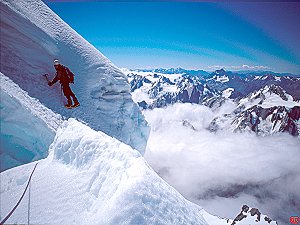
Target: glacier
[{"x": 32, "y": 36}]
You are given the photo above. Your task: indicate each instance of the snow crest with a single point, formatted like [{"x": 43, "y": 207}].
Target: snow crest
[{"x": 91, "y": 178}]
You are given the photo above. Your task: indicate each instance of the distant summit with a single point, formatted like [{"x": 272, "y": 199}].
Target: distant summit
[
  {"x": 266, "y": 111},
  {"x": 177, "y": 70},
  {"x": 252, "y": 216}
]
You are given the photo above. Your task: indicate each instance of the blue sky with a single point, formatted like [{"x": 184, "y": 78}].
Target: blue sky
[{"x": 192, "y": 35}]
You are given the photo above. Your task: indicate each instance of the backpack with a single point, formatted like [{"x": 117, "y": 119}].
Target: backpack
[{"x": 69, "y": 74}]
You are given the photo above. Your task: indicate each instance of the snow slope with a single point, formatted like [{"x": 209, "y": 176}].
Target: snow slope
[
  {"x": 27, "y": 127},
  {"x": 91, "y": 178},
  {"x": 32, "y": 36}
]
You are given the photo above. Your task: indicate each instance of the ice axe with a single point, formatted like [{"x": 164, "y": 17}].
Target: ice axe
[{"x": 47, "y": 79}]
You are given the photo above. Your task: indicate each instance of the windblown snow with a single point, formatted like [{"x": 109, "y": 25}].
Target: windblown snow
[{"x": 32, "y": 36}]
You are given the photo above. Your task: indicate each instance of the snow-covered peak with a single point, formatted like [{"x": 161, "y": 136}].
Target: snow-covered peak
[
  {"x": 268, "y": 77},
  {"x": 222, "y": 78},
  {"x": 176, "y": 70},
  {"x": 227, "y": 92},
  {"x": 247, "y": 216},
  {"x": 32, "y": 36},
  {"x": 220, "y": 72},
  {"x": 252, "y": 216},
  {"x": 267, "y": 97},
  {"x": 153, "y": 76}
]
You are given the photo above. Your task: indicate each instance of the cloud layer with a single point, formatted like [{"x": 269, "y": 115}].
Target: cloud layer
[{"x": 222, "y": 171}]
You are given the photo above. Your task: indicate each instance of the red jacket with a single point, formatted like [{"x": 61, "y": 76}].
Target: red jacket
[{"x": 63, "y": 75}]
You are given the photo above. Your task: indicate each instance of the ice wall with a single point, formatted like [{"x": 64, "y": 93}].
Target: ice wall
[{"x": 27, "y": 127}]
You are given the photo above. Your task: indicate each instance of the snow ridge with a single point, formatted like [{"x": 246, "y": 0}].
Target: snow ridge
[{"x": 91, "y": 178}]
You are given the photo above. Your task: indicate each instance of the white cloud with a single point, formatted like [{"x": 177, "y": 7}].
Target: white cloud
[{"x": 231, "y": 167}]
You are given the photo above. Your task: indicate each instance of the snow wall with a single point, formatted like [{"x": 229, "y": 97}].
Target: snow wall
[{"x": 32, "y": 36}]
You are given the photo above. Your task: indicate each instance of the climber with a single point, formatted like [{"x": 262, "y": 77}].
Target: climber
[{"x": 65, "y": 77}]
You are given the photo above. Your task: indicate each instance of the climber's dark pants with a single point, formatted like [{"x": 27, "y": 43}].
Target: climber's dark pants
[{"x": 69, "y": 93}]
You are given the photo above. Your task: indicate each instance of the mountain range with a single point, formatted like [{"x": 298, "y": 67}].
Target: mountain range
[{"x": 275, "y": 97}]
